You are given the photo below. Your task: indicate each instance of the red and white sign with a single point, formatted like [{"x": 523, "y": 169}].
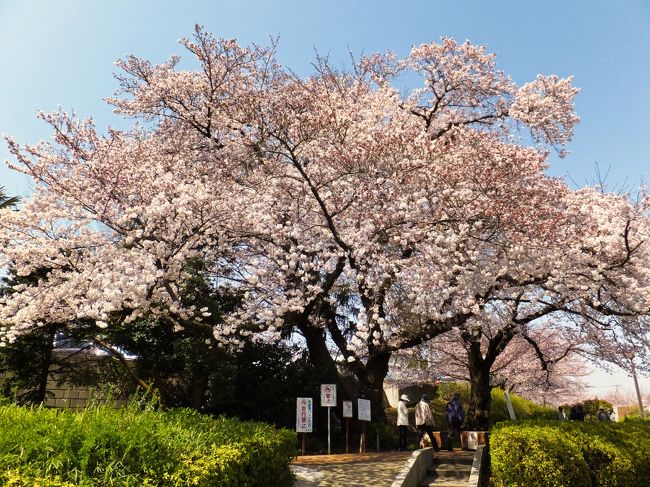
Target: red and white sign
[
  {"x": 328, "y": 395},
  {"x": 304, "y": 415}
]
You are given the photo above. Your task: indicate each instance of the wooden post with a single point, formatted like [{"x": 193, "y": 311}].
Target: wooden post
[
  {"x": 362, "y": 442},
  {"x": 347, "y": 435},
  {"x": 303, "y": 443}
]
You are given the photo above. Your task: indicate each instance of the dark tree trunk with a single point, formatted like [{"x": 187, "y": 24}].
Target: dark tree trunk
[
  {"x": 377, "y": 369},
  {"x": 480, "y": 367},
  {"x": 478, "y": 415},
  {"x": 46, "y": 361},
  {"x": 197, "y": 391},
  {"x": 364, "y": 382}
]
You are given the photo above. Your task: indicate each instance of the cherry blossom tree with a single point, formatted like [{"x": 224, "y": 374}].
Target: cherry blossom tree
[
  {"x": 359, "y": 217},
  {"x": 555, "y": 378},
  {"x": 622, "y": 341}
]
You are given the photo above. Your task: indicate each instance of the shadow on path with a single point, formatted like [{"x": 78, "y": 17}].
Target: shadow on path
[{"x": 350, "y": 470}]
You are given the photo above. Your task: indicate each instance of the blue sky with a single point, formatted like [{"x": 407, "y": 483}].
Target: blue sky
[{"x": 61, "y": 53}]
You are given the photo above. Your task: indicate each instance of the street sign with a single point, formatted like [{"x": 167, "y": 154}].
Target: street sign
[
  {"x": 347, "y": 409},
  {"x": 328, "y": 395},
  {"x": 304, "y": 415},
  {"x": 364, "y": 410}
]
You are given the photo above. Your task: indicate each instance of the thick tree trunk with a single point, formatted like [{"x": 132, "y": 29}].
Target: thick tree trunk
[
  {"x": 367, "y": 380},
  {"x": 478, "y": 415},
  {"x": 377, "y": 369}
]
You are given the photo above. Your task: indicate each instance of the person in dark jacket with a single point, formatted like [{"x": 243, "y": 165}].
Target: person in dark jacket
[
  {"x": 455, "y": 418},
  {"x": 603, "y": 415},
  {"x": 577, "y": 413}
]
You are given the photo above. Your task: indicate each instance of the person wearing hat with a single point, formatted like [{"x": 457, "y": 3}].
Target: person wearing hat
[
  {"x": 424, "y": 421},
  {"x": 402, "y": 421}
]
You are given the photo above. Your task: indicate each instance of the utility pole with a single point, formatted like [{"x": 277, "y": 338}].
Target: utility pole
[{"x": 638, "y": 391}]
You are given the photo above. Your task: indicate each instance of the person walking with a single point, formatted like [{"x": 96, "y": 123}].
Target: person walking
[
  {"x": 560, "y": 414},
  {"x": 403, "y": 421},
  {"x": 424, "y": 421},
  {"x": 603, "y": 415},
  {"x": 455, "y": 418}
]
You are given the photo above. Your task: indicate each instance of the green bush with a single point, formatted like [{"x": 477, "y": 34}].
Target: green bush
[
  {"x": 536, "y": 456},
  {"x": 134, "y": 447},
  {"x": 553, "y": 453}
]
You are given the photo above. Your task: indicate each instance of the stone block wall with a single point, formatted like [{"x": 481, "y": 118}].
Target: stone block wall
[{"x": 70, "y": 396}]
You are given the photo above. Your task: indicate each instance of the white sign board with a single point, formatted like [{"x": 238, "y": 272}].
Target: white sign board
[
  {"x": 472, "y": 440},
  {"x": 328, "y": 395},
  {"x": 347, "y": 409},
  {"x": 304, "y": 415},
  {"x": 364, "y": 410}
]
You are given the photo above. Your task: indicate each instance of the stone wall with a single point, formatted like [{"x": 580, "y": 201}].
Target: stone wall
[{"x": 70, "y": 396}]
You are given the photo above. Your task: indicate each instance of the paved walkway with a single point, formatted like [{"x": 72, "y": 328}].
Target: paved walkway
[{"x": 349, "y": 470}]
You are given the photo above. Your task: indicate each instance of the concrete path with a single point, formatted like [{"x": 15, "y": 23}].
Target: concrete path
[
  {"x": 353, "y": 470},
  {"x": 450, "y": 469}
]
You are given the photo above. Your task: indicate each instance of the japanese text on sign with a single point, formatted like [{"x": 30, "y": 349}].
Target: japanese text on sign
[
  {"x": 328, "y": 395},
  {"x": 304, "y": 415}
]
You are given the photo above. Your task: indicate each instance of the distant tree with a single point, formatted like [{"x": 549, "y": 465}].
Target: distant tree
[
  {"x": 7, "y": 201},
  {"x": 623, "y": 341},
  {"x": 549, "y": 372}
]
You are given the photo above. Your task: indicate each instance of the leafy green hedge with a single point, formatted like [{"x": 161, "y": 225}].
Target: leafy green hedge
[
  {"x": 571, "y": 454},
  {"x": 133, "y": 447}
]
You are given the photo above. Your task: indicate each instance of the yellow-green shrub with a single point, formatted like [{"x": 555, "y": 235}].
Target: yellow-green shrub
[
  {"x": 553, "y": 453},
  {"x": 133, "y": 447},
  {"x": 535, "y": 455}
]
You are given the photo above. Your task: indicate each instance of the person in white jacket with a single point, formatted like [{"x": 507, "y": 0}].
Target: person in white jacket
[
  {"x": 403, "y": 421},
  {"x": 424, "y": 421}
]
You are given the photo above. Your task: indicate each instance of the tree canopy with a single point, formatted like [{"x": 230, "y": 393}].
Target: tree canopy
[{"x": 357, "y": 215}]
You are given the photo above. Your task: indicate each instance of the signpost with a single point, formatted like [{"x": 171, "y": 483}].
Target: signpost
[
  {"x": 364, "y": 415},
  {"x": 347, "y": 414},
  {"x": 304, "y": 417},
  {"x": 328, "y": 399}
]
